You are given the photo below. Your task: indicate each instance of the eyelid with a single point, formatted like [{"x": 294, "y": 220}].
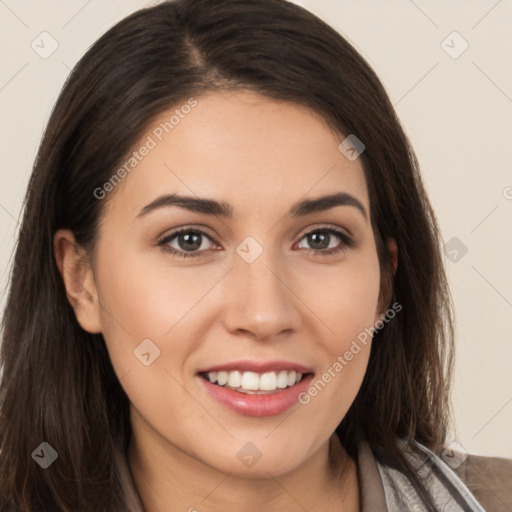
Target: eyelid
[
  {"x": 185, "y": 229},
  {"x": 320, "y": 226}
]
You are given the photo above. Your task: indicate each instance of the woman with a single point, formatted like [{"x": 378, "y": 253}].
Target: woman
[{"x": 228, "y": 291}]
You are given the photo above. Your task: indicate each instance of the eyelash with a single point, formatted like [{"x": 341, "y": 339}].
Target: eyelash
[{"x": 346, "y": 242}]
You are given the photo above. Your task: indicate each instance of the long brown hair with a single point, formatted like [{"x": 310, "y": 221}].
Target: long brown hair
[{"x": 58, "y": 385}]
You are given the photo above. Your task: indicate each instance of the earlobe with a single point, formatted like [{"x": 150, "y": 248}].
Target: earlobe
[
  {"x": 78, "y": 280},
  {"x": 393, "y": 250}
]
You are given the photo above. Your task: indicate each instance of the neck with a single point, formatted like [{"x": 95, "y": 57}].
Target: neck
[{"x": 169, "y": 479}]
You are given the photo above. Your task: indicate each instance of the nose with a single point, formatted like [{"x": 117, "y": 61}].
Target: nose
[{"x": 261, "y": 301}]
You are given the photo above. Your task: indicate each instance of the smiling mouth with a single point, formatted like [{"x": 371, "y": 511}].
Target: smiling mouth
[{"x": 254, "y": 383}]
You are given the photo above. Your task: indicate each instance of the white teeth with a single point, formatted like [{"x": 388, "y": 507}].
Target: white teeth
[
  {"x": 235, "y": 379},
  {"x": 268, "y": 381},
  {"x": 252, "y": 381},
  {"x": 222, "y": 378},
  {"x": 282, "y": 380}
]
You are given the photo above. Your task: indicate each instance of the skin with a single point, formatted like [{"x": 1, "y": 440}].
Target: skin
[{"x": 292, "y": 303}]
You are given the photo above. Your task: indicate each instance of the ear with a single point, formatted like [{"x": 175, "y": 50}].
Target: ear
[
  {"x": 386, "y": 282},
  {"x": 78, "y": 279},
  {"x": 393, "y": 250}
]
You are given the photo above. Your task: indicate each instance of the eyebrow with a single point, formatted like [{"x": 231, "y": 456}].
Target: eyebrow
[{"x": 225, "y": 210}]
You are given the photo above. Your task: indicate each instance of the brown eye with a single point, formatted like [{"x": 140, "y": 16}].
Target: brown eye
[
  {"x": 186, "y": 242},
  {"x": 327, "y": 241}
]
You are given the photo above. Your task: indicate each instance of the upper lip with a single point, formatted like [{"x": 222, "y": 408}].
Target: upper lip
[{"x": 258, "y": 366}]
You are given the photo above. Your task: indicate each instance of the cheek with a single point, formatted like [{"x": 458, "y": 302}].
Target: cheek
[
  {"x": 343, "y": 297},
  {"x": 146, "y": 299},
  {"x": 144, "y": 311},
  {"x": 145, "y": 286},
  {"x": 349, "y": 309},
  {"x": 347, "y": 305}
]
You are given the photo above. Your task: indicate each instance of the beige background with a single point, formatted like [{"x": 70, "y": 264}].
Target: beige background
[{"x": 456, "y": 111}]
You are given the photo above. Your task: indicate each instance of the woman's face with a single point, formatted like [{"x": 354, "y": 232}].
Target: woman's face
[{"x": 255, "y": 291}]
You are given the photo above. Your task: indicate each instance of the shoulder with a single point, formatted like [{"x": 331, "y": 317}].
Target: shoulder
[
  {"x": 489, "y": 479},
  {"x": 445, "y": 488}
]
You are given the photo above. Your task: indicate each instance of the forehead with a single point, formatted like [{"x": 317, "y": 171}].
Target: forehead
[{"x": 243, "y": 148}]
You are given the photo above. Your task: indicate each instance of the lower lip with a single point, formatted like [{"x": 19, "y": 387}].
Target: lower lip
[{"x": 257, "y": 405}]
